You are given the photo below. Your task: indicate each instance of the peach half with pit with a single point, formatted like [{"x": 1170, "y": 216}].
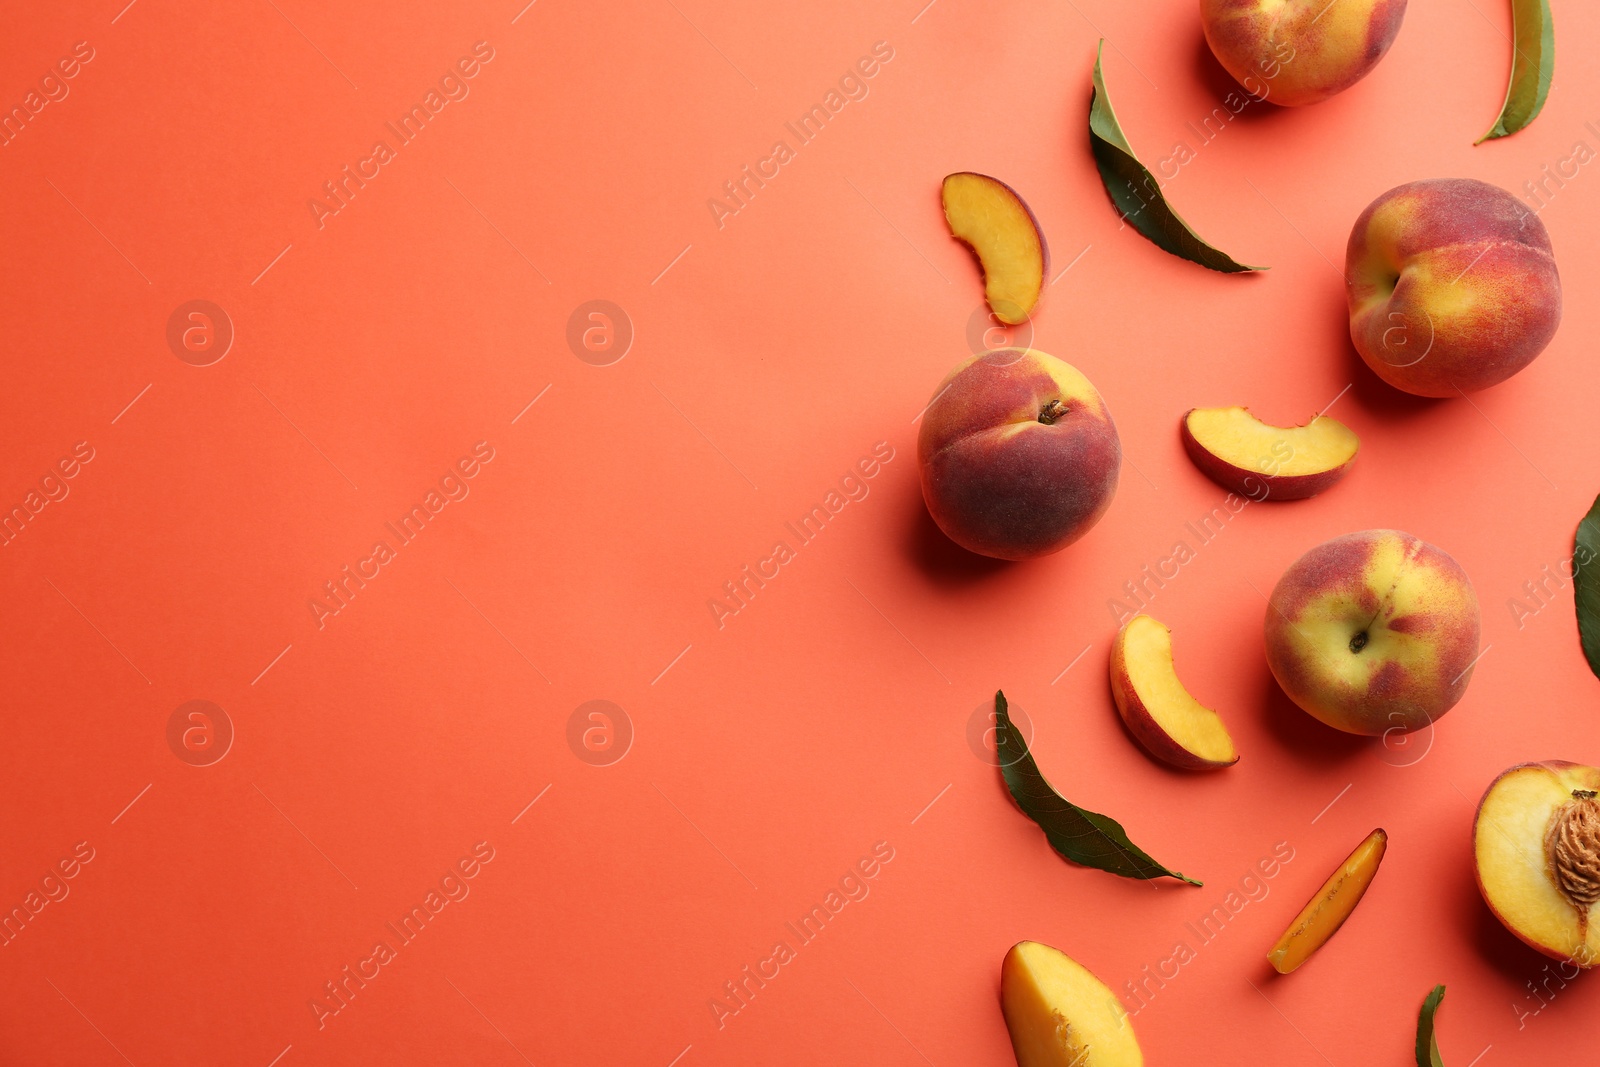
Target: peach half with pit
[{"x": 1536, "y": 846}]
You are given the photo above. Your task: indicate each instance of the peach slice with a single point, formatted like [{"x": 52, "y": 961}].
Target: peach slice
[
  {"x": 987, "y": 214},
  {"x": 1060, "y": 1015},
  {"x": 1324, "y": 913},
  {"x": 1536, "y": 843},
  {"x": 1162, "y": 716},
  {"x": 1240, "y": 452}
]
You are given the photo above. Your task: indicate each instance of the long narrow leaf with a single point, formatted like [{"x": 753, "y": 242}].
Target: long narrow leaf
[
  {"x": 1427, "y": 1041},
  {"x": 1080, "y": 835},
  {"x": 1137, "y": 194},
  {"x": 1586, "y": 584},
  {"x": 1533, "y": 64}
]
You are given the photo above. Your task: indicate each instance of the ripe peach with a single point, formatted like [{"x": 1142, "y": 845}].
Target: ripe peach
[
  {"x": 1019, "y": 457},
  {"x": 1295, "y": 52},
  {"x": 1373, "y": 632},
  {"x": 1452, "y": 286}
]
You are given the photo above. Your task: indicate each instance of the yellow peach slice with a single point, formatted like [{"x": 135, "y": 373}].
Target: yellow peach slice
[
  {"x": 1060, "y": 1015},
  {"x": 1162, "y": 716},
  {"x": 1322, "y": 916},
  {"x": 1536, "y": 842},
  {"x": 990, "y": 217},
  {"x": 1240, "y": 452}
]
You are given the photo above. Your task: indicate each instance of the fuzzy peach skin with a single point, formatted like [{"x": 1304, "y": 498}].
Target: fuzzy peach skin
[
  {"x": 1018, "y": 454},
  {"x": 1296, "y": 52},
  {"x": 1452, "y": 286},
  {"x": 1373, "y": 632}
]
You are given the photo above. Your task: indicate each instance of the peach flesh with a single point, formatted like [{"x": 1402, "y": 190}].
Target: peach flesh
[
  {"x": 1160, "y": 713},
  {"x": 1327, "y": 911},
  {"x": 1060, "y": 1015},
  {"x": 1264, "y": 462},
  {"x": 1536, "y": 846},
  {"x": 994, "y": 221}
]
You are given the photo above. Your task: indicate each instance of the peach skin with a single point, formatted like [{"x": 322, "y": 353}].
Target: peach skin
[
  {"x": 1452, "y": 286},
  {"x": 1018, "y": 454},
  {"x": 1295, "y": 52},
  {"x": 1373, "y": 632},
  {"x": 1536, "y": 847}
]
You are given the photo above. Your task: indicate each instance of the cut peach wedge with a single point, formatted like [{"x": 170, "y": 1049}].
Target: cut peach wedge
[
  {"x": 1536, "y": 842},
  {"x": 1060, "y": 1015},
  {"x": 1240, "y": 452},
  {"x": 1322, "y": 916},
  {"x": 1161, "y": 715},
  {"x": 990, "y": 217}
]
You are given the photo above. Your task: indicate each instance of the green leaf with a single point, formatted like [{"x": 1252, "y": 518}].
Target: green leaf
[
  {"x": 1080, "y": 835},
  {"x": 1586, "y": 584},
  {"x": 1135, "y": 191},
  {"x": 1427, "y": 1043},
  {"x": 1533, "y": 63}
]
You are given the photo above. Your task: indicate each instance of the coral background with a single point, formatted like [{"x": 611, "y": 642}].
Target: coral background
[{"x": 770, "y": 754}]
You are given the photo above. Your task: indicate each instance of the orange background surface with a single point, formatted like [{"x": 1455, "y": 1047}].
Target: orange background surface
[{"x": 375, "y": 748}]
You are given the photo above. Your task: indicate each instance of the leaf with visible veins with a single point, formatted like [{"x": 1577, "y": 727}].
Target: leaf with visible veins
[
  {"x": 1080, "y": 835},
  {"x": 1533, "y": 64},
  {"x": 1137, "y": 194}
]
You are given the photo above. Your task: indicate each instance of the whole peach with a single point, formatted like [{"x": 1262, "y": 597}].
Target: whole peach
[
  {"x": 1373, "y": 632},
  {"x": 1452, "y": 286},
  {"x": 1019, "y": 457},
  {"x": 1295, "y": 52}
]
